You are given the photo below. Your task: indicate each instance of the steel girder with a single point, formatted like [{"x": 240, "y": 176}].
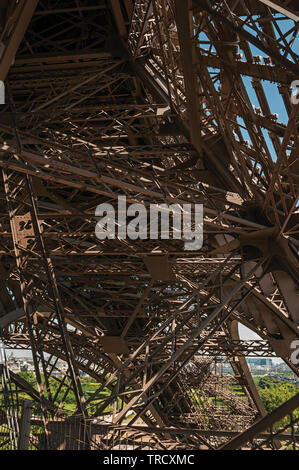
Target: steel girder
[{"x": 149, "y": 101}]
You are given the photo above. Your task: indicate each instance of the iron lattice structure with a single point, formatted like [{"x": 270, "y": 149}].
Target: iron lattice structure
[{"x": 161, "y": 101}]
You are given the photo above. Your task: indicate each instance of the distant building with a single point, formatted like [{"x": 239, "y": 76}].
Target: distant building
[{"x": 262, "y": 361}]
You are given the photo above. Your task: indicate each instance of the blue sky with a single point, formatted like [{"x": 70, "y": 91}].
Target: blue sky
[{"x": 273, "y": 96}]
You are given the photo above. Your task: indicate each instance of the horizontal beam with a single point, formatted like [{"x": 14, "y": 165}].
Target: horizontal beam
[
  {"x": 10, "y": 317},
  {"x": 285, "y": 11},
  {"x": 264, "y": 72},
  {"x": 69, "y": 10},
  {"x": 60, "y": 58}
]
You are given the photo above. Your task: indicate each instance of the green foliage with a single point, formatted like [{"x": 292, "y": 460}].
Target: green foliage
[
  {"x": 29, "y": 377},
  {"x": 275, "y": 393},
  {"x": 89, "y": 386}
]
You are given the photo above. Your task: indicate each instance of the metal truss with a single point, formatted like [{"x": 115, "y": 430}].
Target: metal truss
[{"x": 161, "y": 101}]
